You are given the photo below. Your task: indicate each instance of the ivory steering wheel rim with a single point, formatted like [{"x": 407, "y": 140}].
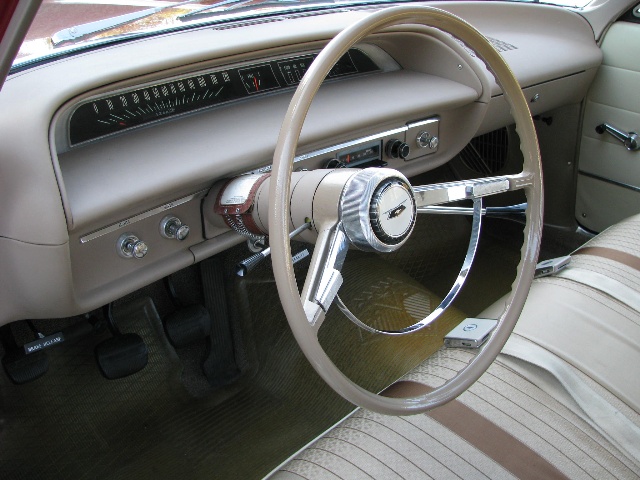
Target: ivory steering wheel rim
[{"x": 529, "y": 180}]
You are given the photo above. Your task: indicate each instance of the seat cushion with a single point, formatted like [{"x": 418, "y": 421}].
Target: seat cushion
[
  {"x": 592, "y": 326},
  {"x": 519, "y": 420},
  {"x": 370, "y": 445},
  {"x": 614, "y": 253}
]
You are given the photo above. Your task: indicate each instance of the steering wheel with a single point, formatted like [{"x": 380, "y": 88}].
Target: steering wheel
[{"x": 350, "y": 200}]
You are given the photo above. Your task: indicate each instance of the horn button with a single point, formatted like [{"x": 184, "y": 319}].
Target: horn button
[
  {"x": 378, "y": 209},
  {"x": 392, "y": 211}
]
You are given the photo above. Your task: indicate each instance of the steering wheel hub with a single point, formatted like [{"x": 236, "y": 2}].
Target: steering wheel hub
[
  {"x": 378, "y": 209},
  {"x": 393, "y": 211}
]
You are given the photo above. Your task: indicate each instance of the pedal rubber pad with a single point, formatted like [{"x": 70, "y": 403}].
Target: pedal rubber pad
[
  {"x": 22, "y": 368},
  {"x": 121, "y": 356},
  {"x": 188, "y": 325}
]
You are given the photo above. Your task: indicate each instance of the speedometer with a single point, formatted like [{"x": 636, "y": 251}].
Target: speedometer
[
  {"x": 136, "y": 107},
  {"x": 131, "y": 109}
]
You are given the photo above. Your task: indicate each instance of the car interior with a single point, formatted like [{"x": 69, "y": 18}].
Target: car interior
[{"x": 370, "y": 240}]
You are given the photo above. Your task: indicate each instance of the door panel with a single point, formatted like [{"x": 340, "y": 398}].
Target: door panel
[{"x": 609, "y": 174}]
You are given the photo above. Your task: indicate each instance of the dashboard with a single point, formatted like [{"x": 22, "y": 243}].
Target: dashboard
[{"x": 109, "y": 167}]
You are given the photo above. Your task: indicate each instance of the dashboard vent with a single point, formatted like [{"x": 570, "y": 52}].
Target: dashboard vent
[
  {"x": 486, "y": 154},
  {"x": 501, "y": 46},
  {"x": 308, "y": 13},
  {"x": 244, "y": 23}
]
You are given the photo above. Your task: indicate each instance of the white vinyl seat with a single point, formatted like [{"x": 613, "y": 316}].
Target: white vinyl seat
[{"x": 561, "y": 401}]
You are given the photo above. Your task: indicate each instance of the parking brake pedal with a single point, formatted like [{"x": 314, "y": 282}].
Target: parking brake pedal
[
  {"x": 21, "y": 368},
  {"x": 29, "y": 362},
  {"x": 121, "y": 355}
]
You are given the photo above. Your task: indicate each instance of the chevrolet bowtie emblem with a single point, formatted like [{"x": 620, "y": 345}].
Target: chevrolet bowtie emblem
[{"x": 396, "y": 212}]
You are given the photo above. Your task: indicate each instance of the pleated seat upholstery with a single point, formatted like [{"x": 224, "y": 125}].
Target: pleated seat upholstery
[{"x": 562, "y": 401}]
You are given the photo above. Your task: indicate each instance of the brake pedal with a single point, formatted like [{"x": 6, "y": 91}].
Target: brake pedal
[
  {"x": 121, "y": 355},
  {"x": 187, "y": 325}
]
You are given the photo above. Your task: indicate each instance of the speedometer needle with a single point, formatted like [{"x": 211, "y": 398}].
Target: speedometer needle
[{"x": 255, "y": 82}]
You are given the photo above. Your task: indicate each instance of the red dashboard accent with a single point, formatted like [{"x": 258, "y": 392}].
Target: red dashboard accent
[{"x": 7, "y": 8}]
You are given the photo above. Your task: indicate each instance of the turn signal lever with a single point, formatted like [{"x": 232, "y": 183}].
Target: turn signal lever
[{"x": 630, "y": 140}]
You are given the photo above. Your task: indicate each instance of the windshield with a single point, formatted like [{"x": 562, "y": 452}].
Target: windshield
[{"x": 65, "y": 25}]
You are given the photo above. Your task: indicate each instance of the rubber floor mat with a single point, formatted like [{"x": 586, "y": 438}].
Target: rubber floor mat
[{"x": 74, "y": 424}]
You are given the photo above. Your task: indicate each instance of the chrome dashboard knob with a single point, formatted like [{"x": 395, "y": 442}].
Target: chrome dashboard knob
[
  {"x": 172, "y": 227},
  {"x": 397, "y": 149},
  {"x": 422, "y": 139},
  {"x": 426, "y": 140},
  {"x": 130, "y": 246}
]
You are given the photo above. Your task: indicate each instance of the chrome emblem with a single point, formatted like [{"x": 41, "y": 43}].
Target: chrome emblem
[
  {"x": 389, "y": 202},
  {"x": 397, "y": 211}
]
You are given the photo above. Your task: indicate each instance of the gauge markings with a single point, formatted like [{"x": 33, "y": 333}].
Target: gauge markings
[
  {"x": 258, "y": 79},
  {"x": 128, "y": 109}
]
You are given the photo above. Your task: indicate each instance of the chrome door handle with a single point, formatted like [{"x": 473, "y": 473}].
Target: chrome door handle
[{"x": 630, "y": 140}]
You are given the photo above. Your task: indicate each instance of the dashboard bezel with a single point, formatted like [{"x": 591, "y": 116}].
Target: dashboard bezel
[{"x": 381, "y": 61}]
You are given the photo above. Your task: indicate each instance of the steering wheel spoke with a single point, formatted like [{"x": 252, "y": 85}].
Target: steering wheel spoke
[
  {"x": 324, "y": 278},
  {"x": 439, "y": 193}
]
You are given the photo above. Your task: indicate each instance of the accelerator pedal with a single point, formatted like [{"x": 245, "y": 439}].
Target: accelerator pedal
[{"x": 121, "y": 355}]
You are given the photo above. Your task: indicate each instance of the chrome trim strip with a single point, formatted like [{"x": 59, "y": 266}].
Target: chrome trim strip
[
  {"x": 427, "y": 195},
  {"x": 141, "y": 216},
  {"x": 334, "y": 148},
  {"x": 608, "y": 180},
  {"x": 449, "y": 210},
  {"x": 421, "y": 123},
  {"x": 351, "y": 143}
]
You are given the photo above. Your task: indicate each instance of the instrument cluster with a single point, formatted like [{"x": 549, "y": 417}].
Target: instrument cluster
[{"x": 107, "y": 115}]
